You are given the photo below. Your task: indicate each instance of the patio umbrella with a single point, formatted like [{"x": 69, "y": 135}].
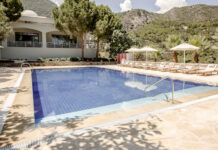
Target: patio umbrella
[
  {"x": 147, "y": 49},
  {"x": 185, "y": 47},
  {"x": 133, "y": 50}
]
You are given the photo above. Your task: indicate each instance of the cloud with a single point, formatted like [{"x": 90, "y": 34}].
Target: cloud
[
  {"x": 57, "y": 2},
  {"x": 126, "y": 5},
  {"x": 166, "y": 5}
]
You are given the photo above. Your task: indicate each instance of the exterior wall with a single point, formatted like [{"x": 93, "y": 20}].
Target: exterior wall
[{"x": 34, "y": 53}]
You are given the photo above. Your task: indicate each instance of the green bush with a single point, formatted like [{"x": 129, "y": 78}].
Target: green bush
[
  {"x": 41, "y": 59},
  {"x": 104, "y": 59},
  {"x": 74, "y": 59},
  {"x": 63, "y": 59}
]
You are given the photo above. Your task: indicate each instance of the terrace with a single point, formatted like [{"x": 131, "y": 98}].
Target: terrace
[{"x": 136, "y": 122}]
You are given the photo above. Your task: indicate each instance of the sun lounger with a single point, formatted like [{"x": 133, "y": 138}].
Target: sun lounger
[
  {"x": 150, "y": 65},
  {"x": 189, "y": 69},
  {"x": 209, "y": 70},
  {"x": 167, "y": 67},
  {"x": 158, "y": 67},
  {"x": 137, "y": 65},
  {"x": 176, "y": 68}
]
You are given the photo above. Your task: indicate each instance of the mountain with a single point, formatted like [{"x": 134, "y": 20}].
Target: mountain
[
  {"x": 195, "y": 13},
  {"x": 136, "y": 18},
  {"x": 41, "y": 7}
]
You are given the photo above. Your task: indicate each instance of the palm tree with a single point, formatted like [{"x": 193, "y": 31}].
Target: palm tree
[
  {"x": 172, "y": 41},
  {"x": 199, "y": 41}
]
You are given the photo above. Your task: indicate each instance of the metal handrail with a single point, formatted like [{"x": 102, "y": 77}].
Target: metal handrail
[
  {"x": 145, "y": 90},
  {"x": 62, "y": 45},
  {"x": 24, "y": 44},
  {"x": 155, "y": 83},
  {"x": 25, "y": 63}
]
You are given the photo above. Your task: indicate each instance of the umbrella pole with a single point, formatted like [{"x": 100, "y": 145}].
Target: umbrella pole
[
  {"x": 133, "y": 60},
  {"x": 184, "y": 57}
]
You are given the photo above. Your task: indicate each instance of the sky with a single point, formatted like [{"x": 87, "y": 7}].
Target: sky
[{"x": 159, "y": 6}]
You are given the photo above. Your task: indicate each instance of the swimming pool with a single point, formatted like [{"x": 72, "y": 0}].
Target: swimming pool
[{"x": 61, "y": 94}]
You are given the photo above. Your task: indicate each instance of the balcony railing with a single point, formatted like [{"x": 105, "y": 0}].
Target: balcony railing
[
  {"x": 64, "y": 45},
  {"x": 69, "y": 45},
  {"x": 49, "y": 44},
  {"x": 91, "y": 46},
  {"x": 24, "y": 44}
]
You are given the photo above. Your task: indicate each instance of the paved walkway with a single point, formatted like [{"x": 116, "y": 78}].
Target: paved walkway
[
  {"x": 8, "y": 77},
  {"x": 192, "y": 128}
]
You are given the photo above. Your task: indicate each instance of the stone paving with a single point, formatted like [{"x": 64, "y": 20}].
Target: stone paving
[
  {"x": 8, "y": 77},
  {"x": 192, "y": 128}
]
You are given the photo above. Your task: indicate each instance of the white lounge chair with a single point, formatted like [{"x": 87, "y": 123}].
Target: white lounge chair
[{"x": 209, "y": 70}]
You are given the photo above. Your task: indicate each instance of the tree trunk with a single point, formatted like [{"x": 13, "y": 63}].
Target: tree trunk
[
  {"x": 82, "y": 46},
  {"x": 196, "y": 57},
  {"x": 175, "y": 56},
  {"x": 97, "y": 49}
]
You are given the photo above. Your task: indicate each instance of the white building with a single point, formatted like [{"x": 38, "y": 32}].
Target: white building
[{"x": 35, "y": 36}]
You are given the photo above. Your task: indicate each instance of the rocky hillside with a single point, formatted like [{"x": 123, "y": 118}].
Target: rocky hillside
[
  {"x": 136, "y": 18},
  {"x": 41, "y": 7},
  {"x": 196, "y": 13}
]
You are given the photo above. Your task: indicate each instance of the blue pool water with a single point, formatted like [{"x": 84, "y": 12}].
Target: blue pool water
[{"x": 80, "y": 92}]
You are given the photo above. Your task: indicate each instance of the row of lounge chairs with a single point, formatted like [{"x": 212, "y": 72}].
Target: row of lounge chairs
[{"x": 200, "y": 69}]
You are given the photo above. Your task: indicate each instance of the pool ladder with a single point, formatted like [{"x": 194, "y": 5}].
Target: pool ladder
[{"x": 164, "y": 78}]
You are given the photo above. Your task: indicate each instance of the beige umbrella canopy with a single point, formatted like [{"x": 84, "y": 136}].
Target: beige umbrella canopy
[
  {"x": 147, "y": 49},
  {"x": 133, "y": 50},
  {"x": 185, "y": 47}
]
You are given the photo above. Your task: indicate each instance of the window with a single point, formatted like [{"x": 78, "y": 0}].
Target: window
[
  {"x": 27, "y": 37},
  {"x": 62, "y": 39}
]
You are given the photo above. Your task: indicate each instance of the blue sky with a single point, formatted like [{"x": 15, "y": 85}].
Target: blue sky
[{"x": 160, "y": 6}]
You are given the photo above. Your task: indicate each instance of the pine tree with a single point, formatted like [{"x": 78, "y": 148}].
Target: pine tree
[
  {"x": 75, "y": 17},
  {"x": 106, "y": 23},
  {"x": 5, "y": 27},
  {"x": 13, "y": 9}
]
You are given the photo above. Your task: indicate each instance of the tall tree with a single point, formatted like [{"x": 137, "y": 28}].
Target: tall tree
[
  {"x": 172, "y": 41},
  {"x": 5, "y": 27},
  {"x": 75, "y": 17},
  {"x": 106, "y": 23},
  {"x": 119, "y": 42},
  {"x": 13, "y": 9}
]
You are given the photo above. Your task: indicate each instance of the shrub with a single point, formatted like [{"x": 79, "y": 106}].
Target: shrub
[
  {"x": 74, "y": 59},
  {"x": 41, "y": 59},
  {"x": 63, "y": 59},
  {"x": 104, "y": 59}
]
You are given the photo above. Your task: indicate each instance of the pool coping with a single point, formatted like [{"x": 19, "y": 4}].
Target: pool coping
[{"x": 10, "y": 100}]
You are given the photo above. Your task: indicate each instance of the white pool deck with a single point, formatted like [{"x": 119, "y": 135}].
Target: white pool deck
[{"x": 191, "y": 127}]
